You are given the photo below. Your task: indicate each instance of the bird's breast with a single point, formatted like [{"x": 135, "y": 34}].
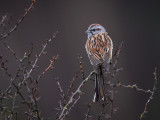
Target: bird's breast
[{"x": 97, "y": 45}]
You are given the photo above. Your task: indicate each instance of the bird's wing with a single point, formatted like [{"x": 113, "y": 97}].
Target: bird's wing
[{"x": 108, "y": 56}]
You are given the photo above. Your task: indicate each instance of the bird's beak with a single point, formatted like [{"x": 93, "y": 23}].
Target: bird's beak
[{"x": 87, "y": 31}]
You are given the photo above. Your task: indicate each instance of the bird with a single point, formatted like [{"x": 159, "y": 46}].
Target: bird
[{"x": 99, "y": 47}]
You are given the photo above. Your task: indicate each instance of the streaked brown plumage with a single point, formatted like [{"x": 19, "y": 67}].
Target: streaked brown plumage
[{"x": 99, "y": 49}]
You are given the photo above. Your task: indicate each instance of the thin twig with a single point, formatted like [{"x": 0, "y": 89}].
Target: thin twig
[
  {"x": 3, "y": 19},
  {"x": 3, "y": 66},
  {"x": 135, "y": 87},
  {"x": 88, "y": 110},
  {"x": 19, "y": 21},
  {"x": 71, "y": 85},
  {"x": 65, "y": 109},
  {"x": 49, "y": 67},
  {"x": 151, "y": 96},
  {"x": 111, "y": 103},
  {"x": 116, "y": 54},
  {"x": 60, "y": 89},
  {"x": 38, "y": 56},
  {"x": 81, "y": 67},
  {"x": 12, "y": 51}
]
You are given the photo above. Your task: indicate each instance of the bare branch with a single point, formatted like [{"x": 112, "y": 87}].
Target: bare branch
[
  {"x": 60, "y": 89},
  {"x": 38, "y": 56},
  {"x": 81, "y": 67},
  {"x": 71, "y": 85},
  {"x": 116, "y": 54},
  {"x": 19, "y": 21},
  {"x": 72, "y": 101},
  {"x": 88, "y": 111},
  {"x": 3, "y": 19},
  {"x": 49, "y": 67},
  {"x": 152, "y": 93},
  {"x": 3, "y": 66}
]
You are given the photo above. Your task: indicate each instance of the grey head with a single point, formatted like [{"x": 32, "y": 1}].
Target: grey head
[{"x": 95, "y": 29}]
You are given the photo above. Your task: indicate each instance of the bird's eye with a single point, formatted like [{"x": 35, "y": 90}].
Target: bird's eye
[{"x": 93, "y": 30}]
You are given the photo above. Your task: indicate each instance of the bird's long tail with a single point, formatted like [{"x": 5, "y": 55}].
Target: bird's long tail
[{"x": 99, "y": 85}]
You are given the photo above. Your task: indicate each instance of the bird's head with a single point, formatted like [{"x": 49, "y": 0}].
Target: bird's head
[{"x": 95, "y": 29}]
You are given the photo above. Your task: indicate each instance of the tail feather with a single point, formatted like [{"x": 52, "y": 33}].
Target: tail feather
[
  {"x": 99, "y": 86},
  {"x": 96, "y": 95}
]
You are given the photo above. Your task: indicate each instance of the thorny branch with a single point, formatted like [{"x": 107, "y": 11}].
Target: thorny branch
[
  {"x": 62, "y": 92},
  {"x": 34, "y": 88},
  {"x": 81, "y": 67},
  {"x": 135, "y": 87},
  {"x": 13, "y": 52},
  {"x": 3, "y": 19},
  {"x": 21, "y": 74},
  {"x": 18, "y": 23},
  {"x": 117, "y": 54},
  {"x": 88, "y": 111},
  {"x": 49, "y": 67},
  {"x": 71, "y": 85},
  {"x": 152, "y": 93},
  {"x": 111, "y": 104},
  {"x": 22, "y": 78},
  {"x": 38, "y": 56},
  {"x": 72, "y": 100},
  {"x": 3, "y": 65}
]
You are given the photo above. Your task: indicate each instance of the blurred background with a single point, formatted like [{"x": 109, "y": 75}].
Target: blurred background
[{"x": 135, "y": 23}]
